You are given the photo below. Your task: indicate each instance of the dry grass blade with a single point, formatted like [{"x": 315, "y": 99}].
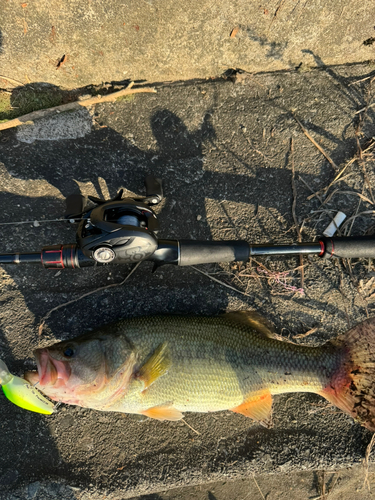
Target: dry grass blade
[
  {"x": 190, "y": 427},
  {"x": 322, "y": 485},
  {"x": 359, "y": 81},
  {"x": 336, "y": 179},
  {"x": 332, "y": 163},
  {"x": 366, "y": 212},
  {"x": 355, "y": 193},
  {"x": 219, "y": 281},
  {"x": 317, "y": 193},
  {"x": 303, "y": 335},
  {"x": 366, "y": 460},
  {"x": 260, "y": 491},
  {"x": 257, "y": 150},
  {"x": 365, "y": 108},
  {"x": 13, "y": 82},
  {"x": 347, "y": 233},
  {"x": 365, "y": 152},
  {"x": 299, "y": 237},
  {"x": 323, "y": 493},
  {"x": 333, "y": 485},
  {"x": 44, "y": 319},
  {"x": 278, "y": 8}
]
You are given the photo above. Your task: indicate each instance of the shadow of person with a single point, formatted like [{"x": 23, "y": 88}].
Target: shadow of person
[
  {"x": 38, "y": 175},
  {"x": 177, "y": 157}
]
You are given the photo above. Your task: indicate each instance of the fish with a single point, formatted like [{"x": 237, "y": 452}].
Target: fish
[{"x": 164, "y": 366}]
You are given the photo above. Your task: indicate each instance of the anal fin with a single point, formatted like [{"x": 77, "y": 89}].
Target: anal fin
[
  {"x": 257, "y": 407},
  {"x": 163, "y": 412}
]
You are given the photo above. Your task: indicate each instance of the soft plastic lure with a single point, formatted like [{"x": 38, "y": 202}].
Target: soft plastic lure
[{"x": 23, "y": 394}]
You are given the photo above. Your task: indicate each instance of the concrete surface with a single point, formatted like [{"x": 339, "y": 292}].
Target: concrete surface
[
  {"x": 72, "y": 44},
  {"x": 345, "y": 484},
  {"x": 223, "y": 150}
]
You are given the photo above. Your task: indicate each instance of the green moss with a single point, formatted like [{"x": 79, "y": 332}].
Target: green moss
[
  {"x": 26, "y": 99},
  {"x": 5, "y": 106},
  {"x": 126, "y": 98}
]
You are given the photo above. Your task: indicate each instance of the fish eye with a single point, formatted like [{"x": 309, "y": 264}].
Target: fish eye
[{"x": 69, "y": 352}]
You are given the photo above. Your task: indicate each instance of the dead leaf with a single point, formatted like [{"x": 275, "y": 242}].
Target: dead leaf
[
  {"x": 24, "y": 5},
  {"x": 61, "y": 61},
  {"x": 234, "y": 32},
  {"x": 303, "y": 335}
]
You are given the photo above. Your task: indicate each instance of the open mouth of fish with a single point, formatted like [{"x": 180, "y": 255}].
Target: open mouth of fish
[{"x": 50, "y": 371}]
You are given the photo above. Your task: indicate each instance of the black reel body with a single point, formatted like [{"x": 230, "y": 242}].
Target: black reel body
[{"x": 120, "y": 232}]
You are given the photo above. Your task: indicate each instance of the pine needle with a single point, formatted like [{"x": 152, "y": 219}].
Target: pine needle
[
  {"x": 332, "y": 163},
  {"x": 44, "y": 319},
  {"x": 190, "y": 427},
  {"x": 366, "y": 464}
]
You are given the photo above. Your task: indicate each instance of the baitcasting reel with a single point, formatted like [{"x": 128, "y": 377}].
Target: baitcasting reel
[
  {"x": 124, "y": 230},
  {"x": 120, "y": 230}
]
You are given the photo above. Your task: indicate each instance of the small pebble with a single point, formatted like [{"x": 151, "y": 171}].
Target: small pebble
[{"x": 36, "y": 223}]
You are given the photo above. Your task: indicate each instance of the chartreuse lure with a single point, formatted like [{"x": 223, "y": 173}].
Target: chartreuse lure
[{"x": 23, "y": 394}]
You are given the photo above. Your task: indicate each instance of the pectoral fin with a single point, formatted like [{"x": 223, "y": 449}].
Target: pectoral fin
[
  {"x": 156, "y": 366},
  {"x": 163, "y": 412},
  {"x": 257, "y": 407}
]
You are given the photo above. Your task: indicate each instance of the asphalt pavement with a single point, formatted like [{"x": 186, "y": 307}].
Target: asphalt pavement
[{"x": 226, "y": 150}]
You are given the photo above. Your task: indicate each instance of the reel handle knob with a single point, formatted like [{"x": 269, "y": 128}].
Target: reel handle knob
[
  {"x": 154, "y": 189},
  {"x": 75, "y": 206}
]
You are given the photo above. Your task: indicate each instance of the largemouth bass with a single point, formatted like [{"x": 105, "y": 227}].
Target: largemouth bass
[{"x": 163, "y": 366}]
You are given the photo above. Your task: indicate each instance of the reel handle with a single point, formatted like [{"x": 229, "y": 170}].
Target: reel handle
[
  {"x": 154, "y": 189},
  {"x": 75, "y": 206}
]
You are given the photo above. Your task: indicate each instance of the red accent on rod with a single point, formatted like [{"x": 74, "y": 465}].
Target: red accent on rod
[
  {"x": 71, "y": 256},
  {"x": 54, "y": 261},
  {"x": 322, "y": 248},
  {"x": 333, "y": 248}
]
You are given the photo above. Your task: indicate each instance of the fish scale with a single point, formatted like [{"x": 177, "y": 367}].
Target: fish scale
[{"x": 217, "y": 364}]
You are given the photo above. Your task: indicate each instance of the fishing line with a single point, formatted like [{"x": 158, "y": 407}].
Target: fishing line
[{"x": 39, "y": 221}]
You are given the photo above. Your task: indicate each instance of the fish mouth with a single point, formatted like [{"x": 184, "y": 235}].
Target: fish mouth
[{"x": 50, "y": 370}]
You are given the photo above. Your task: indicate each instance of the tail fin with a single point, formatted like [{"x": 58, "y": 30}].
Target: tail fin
[{"x": 352, "y": 387}]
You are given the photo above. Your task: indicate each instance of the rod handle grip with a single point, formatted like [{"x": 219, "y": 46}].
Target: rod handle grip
[
  {"x": 208, "y": 252},
  {"x": 355, "y": 247}
]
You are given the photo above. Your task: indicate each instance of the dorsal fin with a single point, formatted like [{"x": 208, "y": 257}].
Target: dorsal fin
[{"x": 253, "y": 320}]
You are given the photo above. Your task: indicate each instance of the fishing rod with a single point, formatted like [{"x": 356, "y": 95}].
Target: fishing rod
[{"x": 124, "y": 231}]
